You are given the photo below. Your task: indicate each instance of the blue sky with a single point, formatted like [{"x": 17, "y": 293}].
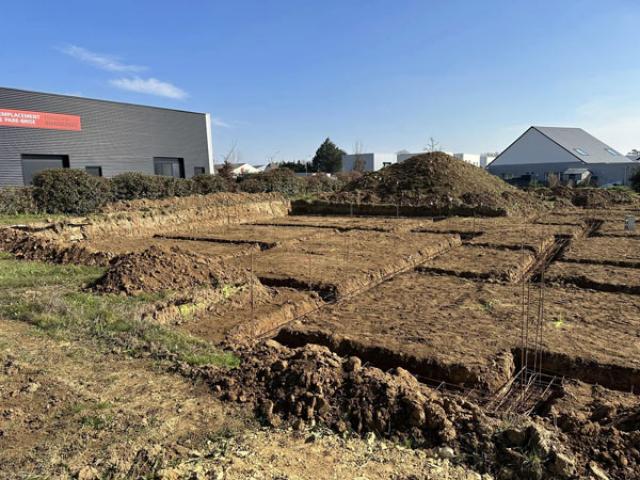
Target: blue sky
[{"x": 280, "y": 76}]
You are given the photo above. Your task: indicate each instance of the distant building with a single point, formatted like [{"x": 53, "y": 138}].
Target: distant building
[
  {"x": 367, "y": 162},
  {"x": 40, "y": 131},
  {"x": 238, "y": 169},
  {"x": 486, "y": 159},
  {"x": 481, "y": 160},
  {"x": 566, "y": 153},
  {"x": 634, "y": 155}
]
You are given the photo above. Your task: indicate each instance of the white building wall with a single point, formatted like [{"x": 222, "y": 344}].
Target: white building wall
[
  {"x": 533, "y": 147},
  {"x": 371, "y": 161}
]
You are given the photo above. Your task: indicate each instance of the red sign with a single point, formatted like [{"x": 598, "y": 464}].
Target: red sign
[{"x": 51, "y": 121}]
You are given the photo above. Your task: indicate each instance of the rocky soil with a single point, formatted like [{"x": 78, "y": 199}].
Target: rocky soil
[{"x": 311, "y": 386}]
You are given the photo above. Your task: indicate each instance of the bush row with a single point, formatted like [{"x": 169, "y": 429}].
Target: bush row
[
  {"x": 16, "y": 200},
  {"x": 76, "y": 192}
]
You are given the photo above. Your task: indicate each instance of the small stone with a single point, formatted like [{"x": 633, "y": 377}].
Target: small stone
[
  {"x": 597, "y": 471},
  {"x": 273, "y": 344},
  {"x": 353, "y": 364},
  {"x": 563, "y": 466},
  {"x": 446, "y": 453},
  {"x": 31, "y": 387},
  {"x": 279, "y": 366},
  {"x": 88, "y": 473},
  {"x": 370, "y": 438}
]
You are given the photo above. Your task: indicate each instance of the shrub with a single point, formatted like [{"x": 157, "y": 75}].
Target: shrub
[
  {"x": 321, "y": 183},
  {"x": 17, "y": 200},
  {"x": 69, "y": 191},
  {"x": 173, "y": 187},
  {"x": 131, "y": 186},
  {"x": 280, "y": 180},
  {"x": 205, "y": 184},
  {"x": 635, "y": 181}
]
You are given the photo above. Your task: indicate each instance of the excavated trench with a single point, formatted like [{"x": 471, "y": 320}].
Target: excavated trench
[
  {"x": 613, "y": 377},
  {"x": 427, "y": 370}
]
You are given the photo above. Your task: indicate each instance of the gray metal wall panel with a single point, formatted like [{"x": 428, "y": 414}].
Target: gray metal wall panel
[
  {"x": 116, "y": 136},
  {"x": 607, "y": 173}
]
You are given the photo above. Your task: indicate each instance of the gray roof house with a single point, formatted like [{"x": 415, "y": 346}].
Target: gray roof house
[{"x": 542, "y": 151}]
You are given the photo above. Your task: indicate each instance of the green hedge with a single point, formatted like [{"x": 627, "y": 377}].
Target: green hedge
[
  {"x": 69, "y": 191},
  {"x": 17, "y": 200},
  {"x": 76, "y": 192}
]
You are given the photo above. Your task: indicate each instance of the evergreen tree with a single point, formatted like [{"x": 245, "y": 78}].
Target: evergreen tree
[{"x": 328, "y": 158}]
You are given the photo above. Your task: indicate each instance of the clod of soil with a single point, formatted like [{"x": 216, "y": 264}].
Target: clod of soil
[
  {"x": 157, "y": 269},
  {"x": 438, "y": 180},
  {"x": 312, "y": 385}
]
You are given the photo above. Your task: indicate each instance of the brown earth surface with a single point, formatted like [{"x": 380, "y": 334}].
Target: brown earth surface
[
  {"x": 337, "y": 264},
  {"x": 463, "y": 332},
  {"x": 481, "y": 263},
  {"x": 362, "y": 287},
  {"x": 128, "y": 418},
  {"x": 621, "y": 251},
  {"x": 438, "y": 180},
  {"x": 606, "y": 278}
]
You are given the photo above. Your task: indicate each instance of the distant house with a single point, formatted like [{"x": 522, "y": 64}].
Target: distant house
[
  {"x": 238, "y": 169},
  {"x": 566, "y": 153},
  {"x": 367, "y": 162}
]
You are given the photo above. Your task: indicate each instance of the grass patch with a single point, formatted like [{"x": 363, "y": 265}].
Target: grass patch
[
  {"x": 49, "y": 297},
  {"x": 15, "y": 274},
  {"x": 27, "y": 218}
]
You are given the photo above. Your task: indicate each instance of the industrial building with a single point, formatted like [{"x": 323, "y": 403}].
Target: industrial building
[
  {"x": 569, "y": 154},
  {"x": 39, "y": 131}
]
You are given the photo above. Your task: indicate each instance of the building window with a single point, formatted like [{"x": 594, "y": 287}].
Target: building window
[
  {"x": 198, "y": 170},
  {"x": 611, "y": 152},
  {"x": 32, "y": 164},
  {"x": 95, "y": 171},
  {"x": 580, "y": 151},
  {"x": 168, "y": 167}
]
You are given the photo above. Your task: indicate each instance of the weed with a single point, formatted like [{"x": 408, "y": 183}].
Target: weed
[
  {"x": 488, "y": 305},
  {"x": 559, "y": 321},
  {"x": 97, "y": 422}
]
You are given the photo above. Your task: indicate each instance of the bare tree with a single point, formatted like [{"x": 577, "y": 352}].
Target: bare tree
[
  {"x": 359, "y": 163},
  {"x": 432, "y": 146},
  {"x": 226, "y": 170}
]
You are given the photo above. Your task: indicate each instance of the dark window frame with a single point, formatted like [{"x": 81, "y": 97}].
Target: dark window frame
[
  {"x": 98, "y": 167},
  {"x": 158, "y": 161},
  {"x": 199, "y": 171},
  {"x": 66, "y": 162}
]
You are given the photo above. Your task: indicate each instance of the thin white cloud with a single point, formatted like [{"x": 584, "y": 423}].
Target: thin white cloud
[
  {"x": 218, "y": 122},
  {"x": 151, "y": 86},
  {"x": 102, "y": 61}
]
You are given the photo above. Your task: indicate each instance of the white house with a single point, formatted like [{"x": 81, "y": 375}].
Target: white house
[
  {"x": 367, "y": 162},
  {"x": 569, "y": 152},
  {"x": 238, "y": 169}
]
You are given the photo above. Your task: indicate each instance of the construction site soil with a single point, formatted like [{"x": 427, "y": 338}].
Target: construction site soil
[
  {"x": 437, "y": 181},
  {"x": 509, "y": 344}
]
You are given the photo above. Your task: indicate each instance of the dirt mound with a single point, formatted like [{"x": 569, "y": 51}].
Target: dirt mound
[
  {"x": 437, "y": 180},
  {"x": 590, "y": 197},
  {"x": 310, "y": 385},
  {"x": 157, "y": 269}
]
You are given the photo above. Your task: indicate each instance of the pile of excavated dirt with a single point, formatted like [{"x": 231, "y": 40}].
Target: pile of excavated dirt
[
  {"x": 157, "y": 269},
  {"x": 311, "y": 385},
  {"x": 437, "y": 180},
  {"x": 589, "y": 197}
]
